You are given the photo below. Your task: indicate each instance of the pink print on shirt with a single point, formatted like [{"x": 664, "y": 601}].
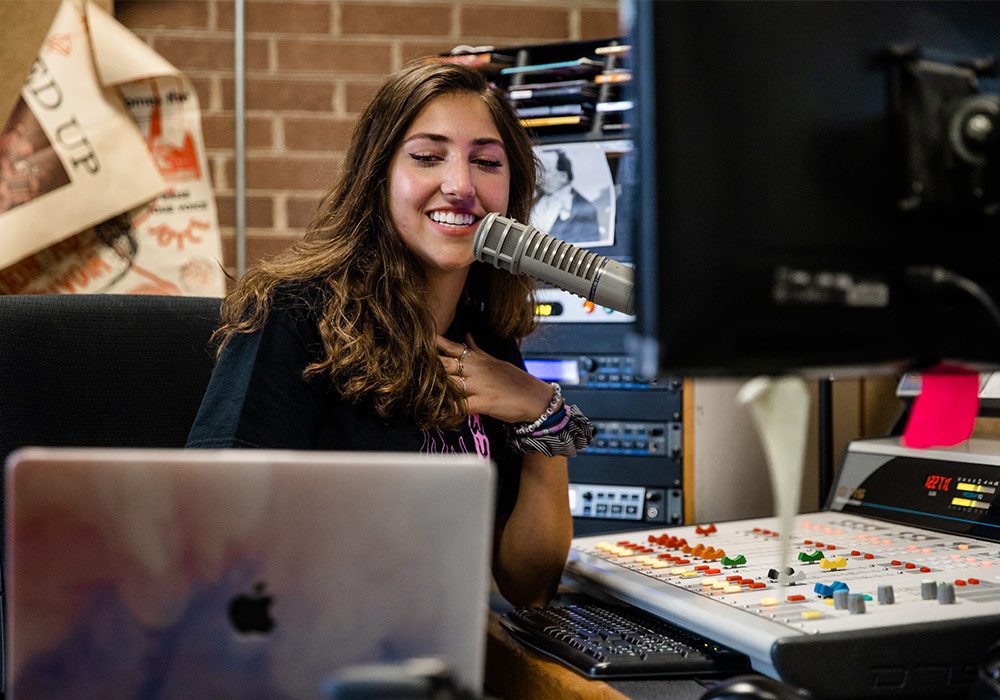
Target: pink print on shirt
[
  {"x": 479, "y": 435},
  {"x": 436, "y": 441}
]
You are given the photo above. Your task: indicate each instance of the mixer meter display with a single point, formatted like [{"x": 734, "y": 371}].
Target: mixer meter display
[{"x": 941, "y": 489}]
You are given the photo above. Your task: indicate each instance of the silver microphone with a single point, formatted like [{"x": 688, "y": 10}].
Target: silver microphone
[{"x": 522, "y": 249}]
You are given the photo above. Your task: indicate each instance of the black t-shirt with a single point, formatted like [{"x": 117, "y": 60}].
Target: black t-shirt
[{"x": 257, "y": 397}]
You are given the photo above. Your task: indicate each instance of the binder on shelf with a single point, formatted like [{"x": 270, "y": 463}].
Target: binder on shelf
[
  {"x": 614, "y": 76},
  {"x": 619, "y": 106},
  {"x": 572, "y": 108},
  {"x": 565, "y": 121},
  {"x": 580, "y": 90},
  {"x": 612, "y": 50},
  {"x": 489, "y": 61},
  {"x": 615, "y": 129},
  {"x": 580, "y": 66}
]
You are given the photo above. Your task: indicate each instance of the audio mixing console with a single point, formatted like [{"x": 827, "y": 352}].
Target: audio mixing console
[{"x": 893, "y": 591}]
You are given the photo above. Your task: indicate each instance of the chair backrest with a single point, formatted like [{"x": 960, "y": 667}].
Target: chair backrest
[{"x": 102, "y": 370}]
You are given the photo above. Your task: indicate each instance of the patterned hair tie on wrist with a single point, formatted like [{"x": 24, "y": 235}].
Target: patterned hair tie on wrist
[{"x": 565, "y": 438}]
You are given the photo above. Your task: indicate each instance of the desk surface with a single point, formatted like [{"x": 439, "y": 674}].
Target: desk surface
[{"x": 515, "y": 672}]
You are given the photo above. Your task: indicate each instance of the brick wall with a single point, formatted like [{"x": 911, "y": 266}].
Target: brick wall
[{"x": 310, "y": 67}]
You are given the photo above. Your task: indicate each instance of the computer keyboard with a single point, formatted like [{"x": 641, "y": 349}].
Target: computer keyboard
[{"x": 608, "y": 641}]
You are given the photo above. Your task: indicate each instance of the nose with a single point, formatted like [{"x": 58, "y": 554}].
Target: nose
[{"x": 457, "y": 183}]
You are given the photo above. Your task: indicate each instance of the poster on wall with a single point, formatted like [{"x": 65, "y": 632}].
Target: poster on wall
[
  {"x": 577, "y": 196},
  {"x": 103, "y": 179}
]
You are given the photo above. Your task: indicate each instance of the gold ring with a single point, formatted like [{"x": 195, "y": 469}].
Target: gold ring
[
  {"x": 460, "y": 366},
  {"x": 466, "y": 350}
]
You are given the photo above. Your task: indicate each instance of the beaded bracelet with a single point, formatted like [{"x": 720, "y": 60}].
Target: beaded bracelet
[{"x": 554, "y": 405}]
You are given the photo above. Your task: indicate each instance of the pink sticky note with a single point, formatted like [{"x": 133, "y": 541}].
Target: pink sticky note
[{"x": 945, "y": 410}]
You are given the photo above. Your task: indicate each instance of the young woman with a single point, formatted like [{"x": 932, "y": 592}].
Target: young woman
[{"x": 379, "y": 331}]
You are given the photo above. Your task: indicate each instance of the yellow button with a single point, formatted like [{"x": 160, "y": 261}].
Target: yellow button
[
  {"x": 732, "y": 589},
  {"x": 689, "y": 574},
  {"x": 812, "y": 614},
  {"x": 678, "y": 570},
  {"x": 768, "y": 601},
  {"x": 708, "y": 581},
  {"x": 828, "y": 601}
]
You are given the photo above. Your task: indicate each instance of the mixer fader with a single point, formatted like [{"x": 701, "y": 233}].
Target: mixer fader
[{"x": 893, "y": 591}]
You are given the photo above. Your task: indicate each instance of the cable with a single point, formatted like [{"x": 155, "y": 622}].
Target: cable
[{"x": 941, "y": 276}]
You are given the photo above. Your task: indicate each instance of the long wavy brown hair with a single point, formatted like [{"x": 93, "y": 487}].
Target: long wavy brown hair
[{"x": 366, "y": 288}]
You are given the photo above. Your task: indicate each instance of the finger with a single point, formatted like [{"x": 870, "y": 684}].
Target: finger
[
  {"x": 460, "y": 383},
  {"x": 447, "y": 347},
  {"x": 450, "y": 364},
  {"x": 472, "y": 343}
]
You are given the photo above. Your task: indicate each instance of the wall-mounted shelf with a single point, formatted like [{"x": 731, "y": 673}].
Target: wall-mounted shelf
[{"x": 571, "y": 91}]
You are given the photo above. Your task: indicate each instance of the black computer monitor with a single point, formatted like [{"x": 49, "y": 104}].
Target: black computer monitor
[{"x": 816, "y": 185}]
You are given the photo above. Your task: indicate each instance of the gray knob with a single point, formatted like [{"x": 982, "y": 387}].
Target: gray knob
[
  {"x": 946, "y": 593},
  {"x": 886, "y": 596},
  {"x": 928, "y": 590},
  {"x": 840, "y": 599},
  {"x": 856, "y": 603}
]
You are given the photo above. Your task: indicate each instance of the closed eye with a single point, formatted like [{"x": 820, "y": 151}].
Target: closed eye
[
  {"x": 489, "y": 164},
  {"x": 425, "y": 158}
]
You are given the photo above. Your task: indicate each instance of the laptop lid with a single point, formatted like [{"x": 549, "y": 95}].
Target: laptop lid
[{"x": 150, "y": 573}]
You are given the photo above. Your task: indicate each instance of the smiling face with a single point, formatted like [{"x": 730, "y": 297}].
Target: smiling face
[{"x": 449, "y": 172}]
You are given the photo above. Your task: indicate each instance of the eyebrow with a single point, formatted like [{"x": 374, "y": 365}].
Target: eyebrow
[{"x": 441, "y": 138}]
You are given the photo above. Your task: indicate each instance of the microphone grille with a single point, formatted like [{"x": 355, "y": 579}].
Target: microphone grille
[{"x": 497, "y": 240}]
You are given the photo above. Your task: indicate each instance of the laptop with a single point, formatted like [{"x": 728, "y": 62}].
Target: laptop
[{"x": 152, "y": 573}]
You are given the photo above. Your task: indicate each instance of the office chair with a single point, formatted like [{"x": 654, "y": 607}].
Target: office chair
[{"x": 102, "y": 370}]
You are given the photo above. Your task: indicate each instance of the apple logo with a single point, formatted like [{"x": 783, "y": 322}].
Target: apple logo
[{"x": 251, "y": 612}]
